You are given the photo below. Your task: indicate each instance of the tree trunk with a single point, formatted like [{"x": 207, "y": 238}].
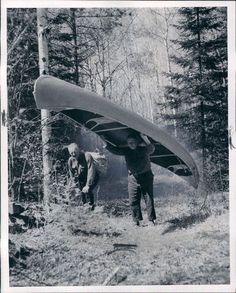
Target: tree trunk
[
  {"x": 109, "y": 72},
  {"x": 74, "y": 33},
  {"x": 203, "y": 131},
  {"x": 45, "y": 114},
  {"x": 103, "y": 71}
]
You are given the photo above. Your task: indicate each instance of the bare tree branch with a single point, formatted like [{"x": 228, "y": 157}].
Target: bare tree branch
[{"x": 20, "y": 36}]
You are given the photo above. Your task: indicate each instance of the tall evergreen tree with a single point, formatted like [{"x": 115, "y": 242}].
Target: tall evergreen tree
[{"x": 199, "y": 90}]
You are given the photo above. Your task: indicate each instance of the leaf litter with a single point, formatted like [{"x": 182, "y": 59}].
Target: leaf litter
[{"x": 78, "y": 247}]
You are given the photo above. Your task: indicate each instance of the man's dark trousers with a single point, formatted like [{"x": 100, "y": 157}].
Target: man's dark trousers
[{"x": 139, "y": 185}]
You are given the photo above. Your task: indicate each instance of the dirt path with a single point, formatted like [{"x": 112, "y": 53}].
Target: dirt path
[
  {"x": 195, "y": 255},
  {"x": 80, "y": 248}
]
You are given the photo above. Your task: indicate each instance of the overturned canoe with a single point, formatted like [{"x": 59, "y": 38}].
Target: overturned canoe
[{"x": 114, "y": 123}]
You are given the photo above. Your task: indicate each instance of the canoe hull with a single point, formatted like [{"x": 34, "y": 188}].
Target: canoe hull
[{"x": 114, "y": 123}]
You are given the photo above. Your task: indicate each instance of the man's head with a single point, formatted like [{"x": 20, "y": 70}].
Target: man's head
[
  {"x": 73, "y": 149},
  {"x": 132, "y": 141}
]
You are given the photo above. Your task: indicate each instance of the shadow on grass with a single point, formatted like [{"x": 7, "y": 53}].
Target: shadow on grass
[
  {"x": 117, "y": 208},
  {"x": 185, "y": 222},
  {"x": 80, "y": 232}
]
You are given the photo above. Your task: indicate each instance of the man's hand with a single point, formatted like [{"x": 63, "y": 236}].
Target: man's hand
[
  {"x": 104, "y": 141},
  {"x": 85, "y": 189},
  {"x": 145, "y": 138}
]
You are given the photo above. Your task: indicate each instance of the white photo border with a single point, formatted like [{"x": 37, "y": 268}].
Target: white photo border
[{"x": 4, "y": 144}]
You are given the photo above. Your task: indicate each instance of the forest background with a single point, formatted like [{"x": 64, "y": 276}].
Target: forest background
[{"x": 168, "y": 65}]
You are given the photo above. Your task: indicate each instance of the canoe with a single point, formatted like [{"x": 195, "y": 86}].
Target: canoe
[{"x": 114, "y": 123}]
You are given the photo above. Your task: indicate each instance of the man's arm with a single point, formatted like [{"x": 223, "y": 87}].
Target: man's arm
[
  {"x": 91, "y": 169},
  {"x": 70, "y": 168},
  {"x": 150, "y": 147},
  {"x": 114, "y": 150}
]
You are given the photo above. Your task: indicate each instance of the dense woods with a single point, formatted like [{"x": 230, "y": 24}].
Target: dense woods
[
  {"x": 198, "y": 92},
  {"x": 171, "y": 69}
]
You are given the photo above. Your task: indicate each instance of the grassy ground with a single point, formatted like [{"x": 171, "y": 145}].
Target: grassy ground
[{"x": 81, "y": 247}]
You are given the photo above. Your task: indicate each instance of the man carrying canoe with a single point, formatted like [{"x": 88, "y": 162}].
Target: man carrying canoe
[{"x": 140, "y": 176}]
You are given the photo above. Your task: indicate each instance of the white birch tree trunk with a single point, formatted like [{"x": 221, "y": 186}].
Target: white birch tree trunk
[{"x": 45, "y": 114}]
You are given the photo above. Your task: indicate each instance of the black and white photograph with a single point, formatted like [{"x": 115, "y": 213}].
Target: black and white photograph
[{"x": 119, "y": 127}]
